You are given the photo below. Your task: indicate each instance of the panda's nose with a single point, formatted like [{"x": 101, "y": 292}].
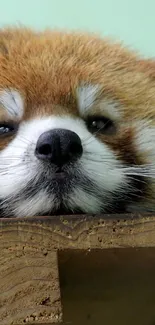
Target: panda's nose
[{"x": 59, "y": 146}]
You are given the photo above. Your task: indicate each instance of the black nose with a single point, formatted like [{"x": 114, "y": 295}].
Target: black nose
[{"x": 59, "y": 146}]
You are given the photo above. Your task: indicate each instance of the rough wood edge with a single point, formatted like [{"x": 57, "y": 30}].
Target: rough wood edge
[{"x": 82, "y": 231}]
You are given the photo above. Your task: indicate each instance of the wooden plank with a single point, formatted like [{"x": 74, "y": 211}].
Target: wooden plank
[
  {"x": 79, "y": 232},
  {"x": 29, "y": 280}
]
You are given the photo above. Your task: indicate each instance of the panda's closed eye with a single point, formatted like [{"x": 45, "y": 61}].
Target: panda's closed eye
[{"x": 100, "y": 124}]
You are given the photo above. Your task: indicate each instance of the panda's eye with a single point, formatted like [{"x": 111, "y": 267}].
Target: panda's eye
[
  {"x": 7, "y": 128},
  {"x": 100, "y": 124}
]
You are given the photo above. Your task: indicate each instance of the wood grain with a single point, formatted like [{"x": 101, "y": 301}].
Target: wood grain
[
  {"x": 29, "y": 279},
  {"x": 79, "y": 232}
]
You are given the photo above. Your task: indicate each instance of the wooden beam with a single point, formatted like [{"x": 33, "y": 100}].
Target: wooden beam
[
  {"x": 79, "y": 232},
  {"x": 29, "y": 279}
]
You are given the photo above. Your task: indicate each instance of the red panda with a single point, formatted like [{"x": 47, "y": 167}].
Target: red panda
[{"x": 77, "y": 125}]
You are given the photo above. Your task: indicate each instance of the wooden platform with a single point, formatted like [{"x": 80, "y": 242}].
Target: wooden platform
[{"x": 35, "y": 251}]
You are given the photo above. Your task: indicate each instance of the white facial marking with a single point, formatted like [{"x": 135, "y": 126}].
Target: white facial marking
[
  {"x": 145, "y": 140},
  {"x": 38, "y": 204},
  {"x": 12, "y": 101},
  {"x": 19, "y": 166},
  {"x": 86, "y": 96},
  {"x": 109, "y": 108},
  {"x": 87, "y": 201}
]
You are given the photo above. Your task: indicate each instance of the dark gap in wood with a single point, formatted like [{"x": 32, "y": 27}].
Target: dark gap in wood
[{"x": 109, "y": 286}]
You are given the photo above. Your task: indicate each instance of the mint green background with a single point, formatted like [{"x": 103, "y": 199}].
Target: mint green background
[{"x": 131, "y": 21}]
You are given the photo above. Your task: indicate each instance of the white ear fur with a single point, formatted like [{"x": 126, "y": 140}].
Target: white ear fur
[{"x": 12, "y": 101}]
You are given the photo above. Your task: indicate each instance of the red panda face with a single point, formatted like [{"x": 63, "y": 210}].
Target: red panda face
[{"x": 76, "y": 126}]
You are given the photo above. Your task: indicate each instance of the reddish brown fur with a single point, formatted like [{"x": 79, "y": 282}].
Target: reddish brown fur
[
  {"x": 47, "y": 67},
  {"x": 122, "y": 145}
]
